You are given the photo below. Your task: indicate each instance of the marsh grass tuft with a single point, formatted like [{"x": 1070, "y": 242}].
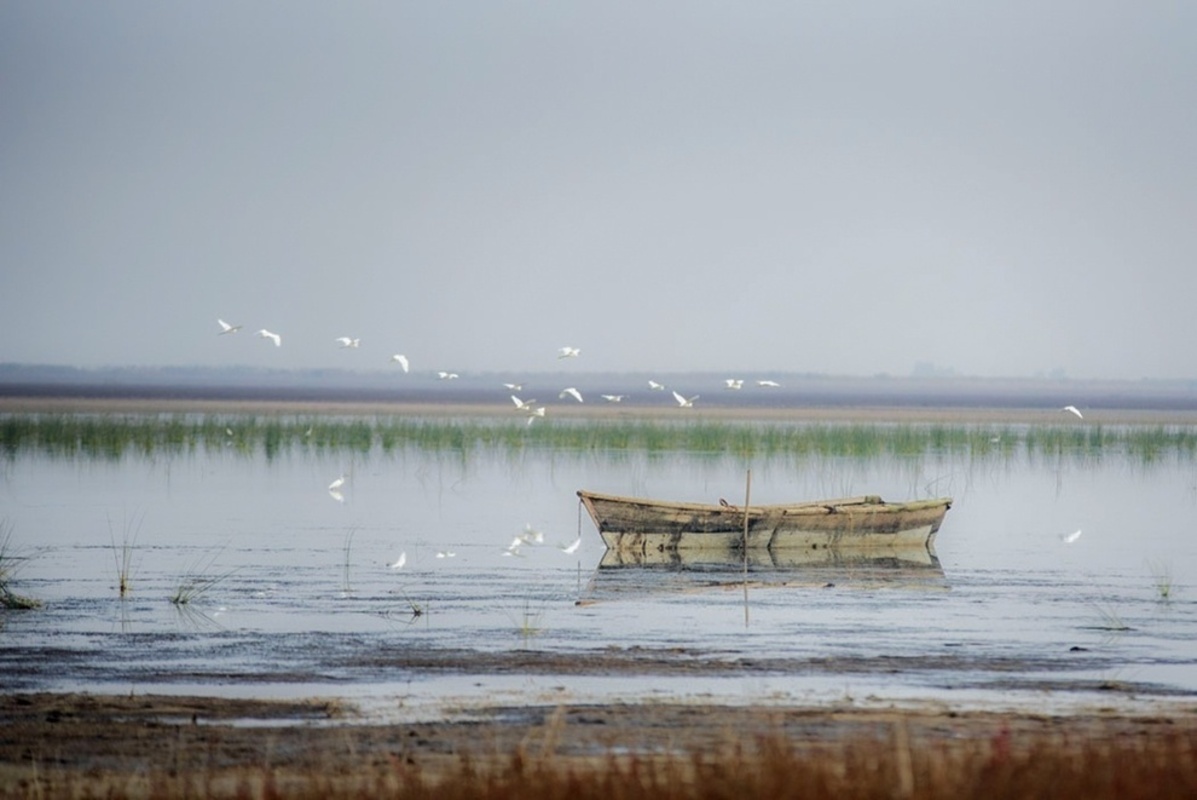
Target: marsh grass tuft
[
  {"x": 10, "y": 563},
  {"x": 123, "y": 554},
  {"x": 1108, "y": 619},
  {"x": 528, "y": 623},
  {"x": 1161, "y": 577},
  {"x": 197, "y": 580}
]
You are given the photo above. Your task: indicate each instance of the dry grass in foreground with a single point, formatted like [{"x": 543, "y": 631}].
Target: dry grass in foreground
[{"x": 613, "y": 753}]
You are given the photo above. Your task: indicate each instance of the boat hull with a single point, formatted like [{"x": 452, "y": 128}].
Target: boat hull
[{"x": 867, "y": 522}]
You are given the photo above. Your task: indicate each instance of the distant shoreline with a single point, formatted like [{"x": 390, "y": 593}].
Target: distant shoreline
[{"x": 267, "y": 402}]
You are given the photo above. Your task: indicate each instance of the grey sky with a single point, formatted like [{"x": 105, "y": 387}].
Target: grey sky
[{"x": 833, "y": 187}]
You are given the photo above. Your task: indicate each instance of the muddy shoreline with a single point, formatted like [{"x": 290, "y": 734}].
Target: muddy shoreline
[{"x": 69, "y": 739}]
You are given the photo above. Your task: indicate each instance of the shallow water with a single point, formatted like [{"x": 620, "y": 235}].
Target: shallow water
[{"x": 301, "y": 599}]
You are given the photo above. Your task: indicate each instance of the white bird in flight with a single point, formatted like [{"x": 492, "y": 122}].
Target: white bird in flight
[
  {"x": 515, "y": 387},
  {"x": 533, "y": 413},
  {"x": 401, "y": 360},
  {"x": 227, "y": 328},
  {"x": 614, "y": 398},
  {"x": 345, "y": 341},
  {"x": 1072, "y": 537},
  {"x": 522, "y": 405},
  {"x": 337, "y": 484},
  {"x": 531, "y": 535},
  {"x": 685, "y": 402},
  {"x": 734, "y": 383},
  {"x": 445, "y": 554},
  {"x": 513, "y": 549},
  {"x": 1073, "y": 410},
  {"x": 568, "y": 352},
  {"x": 572, "y": 392},
  {"x": 656, "y": 387},
  {"x": 768, "y": 384},
  {"x": 399, "y": 562},
  {"x": 447, "y": 376},
  {"x": 274, "y": 337},
  {"x": 571, "y": 547}
]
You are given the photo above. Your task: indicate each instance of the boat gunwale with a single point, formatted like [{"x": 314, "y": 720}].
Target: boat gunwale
[{"x": 871, "y": 503}]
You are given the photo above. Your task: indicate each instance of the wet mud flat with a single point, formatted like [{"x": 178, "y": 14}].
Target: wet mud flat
[{"x": 154, "y": 745}]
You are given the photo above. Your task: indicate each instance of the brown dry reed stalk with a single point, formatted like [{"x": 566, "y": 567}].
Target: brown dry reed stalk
[{"x": 889, "y": 763}]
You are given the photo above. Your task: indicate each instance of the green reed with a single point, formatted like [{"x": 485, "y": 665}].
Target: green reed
[{"x": 115, "y": 436}]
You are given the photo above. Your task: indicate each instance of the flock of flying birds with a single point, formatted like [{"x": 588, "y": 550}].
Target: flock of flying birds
[
  {"x": 531, "y": 536},
  {"x": 529, "y": 407}
]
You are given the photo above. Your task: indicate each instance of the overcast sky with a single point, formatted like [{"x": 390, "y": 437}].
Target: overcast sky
[{"x": 839, "y": 187}]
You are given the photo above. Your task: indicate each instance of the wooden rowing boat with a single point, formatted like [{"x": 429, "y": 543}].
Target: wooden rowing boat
[{"x": 641, "y": 525}]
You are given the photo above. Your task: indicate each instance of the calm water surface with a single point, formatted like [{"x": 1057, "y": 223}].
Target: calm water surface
[{"x": 1013, "y": 608}]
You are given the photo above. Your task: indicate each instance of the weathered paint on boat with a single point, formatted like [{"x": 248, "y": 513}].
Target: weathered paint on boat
[{"x": 643, "y": 525}]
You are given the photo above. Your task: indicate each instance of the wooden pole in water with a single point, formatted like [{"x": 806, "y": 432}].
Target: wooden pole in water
[{"x": 747, "y": 500}]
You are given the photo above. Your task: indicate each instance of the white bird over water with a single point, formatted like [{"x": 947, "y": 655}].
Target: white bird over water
[
  {"x": 656, "y": 387},
  {"x": 523, "y": 405},
  {"x": 399, "y": 562},
  {"x": 685, "y": 402},
  {"x": 768, "y": 384},
  {"x": 515, "y": 387},
  {"x": 337, "y": 484},
  {"x": 1073, "y": 410},
  {"x": 1072, "y": 537},
  {"x": 531, "y": 535},
  {"x": 533, "y": 413},
  {"x": 227, "y": 328},
  {"x": 614, "y": 398},
  {"x": 401, "y": 360},
  {"x": 572, "y": 392},
  {"x": 568, "y": 352},
  {"x": 734, "y": 383},
  {"x": 571, "y": 547},
  {"x": 345, "y": 341},
  {"x": 274, "y": 337},
  {"x": 447, "y": 376}
]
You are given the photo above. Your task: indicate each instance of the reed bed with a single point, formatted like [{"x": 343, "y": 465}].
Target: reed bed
[
  {"x": 116, "y": 436},
  {"x": 890, "y": 763}
]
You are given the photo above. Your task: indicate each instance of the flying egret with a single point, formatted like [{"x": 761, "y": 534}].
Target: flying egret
[
  {"x": 614, "y": 398},
  {"x": 513, "y": 549},
  {"x": 684, "y": 402},
  {"x": 345, "y": 341},
  {"x": 401, "y": 360},
  {"x": 445, "y": 554},
  {"x": 447, "y": 376},
  {"x": 515, "y": 387},
  {"x": 1073, "y": 410},
  {"x": 337, "y": 484},
  {"x": 568, "y": 352},
  {"x": 768, "y": 384},
  {"x": 534, "y": 413},
  {"x": 572, "y": 547},
  {"x": 531, "y": 535},
  {"x": 522, "y": 405},
  {"x": 572, "y": 392},
  {"x": 1072, "y": 537},
  {"x": 227, "y": 328},
  {"x": 399, "y": 562},
  {"x": 734, "y": 383},
  {"x": 274, "y": 337},
  {"x": 656, "y": 387}
]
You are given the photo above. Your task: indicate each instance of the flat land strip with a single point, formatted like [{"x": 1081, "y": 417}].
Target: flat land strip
[{"x": 62, "y": 744}]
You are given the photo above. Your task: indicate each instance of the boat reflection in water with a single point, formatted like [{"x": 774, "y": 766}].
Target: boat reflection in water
[{"x": 625, "y": 573}]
